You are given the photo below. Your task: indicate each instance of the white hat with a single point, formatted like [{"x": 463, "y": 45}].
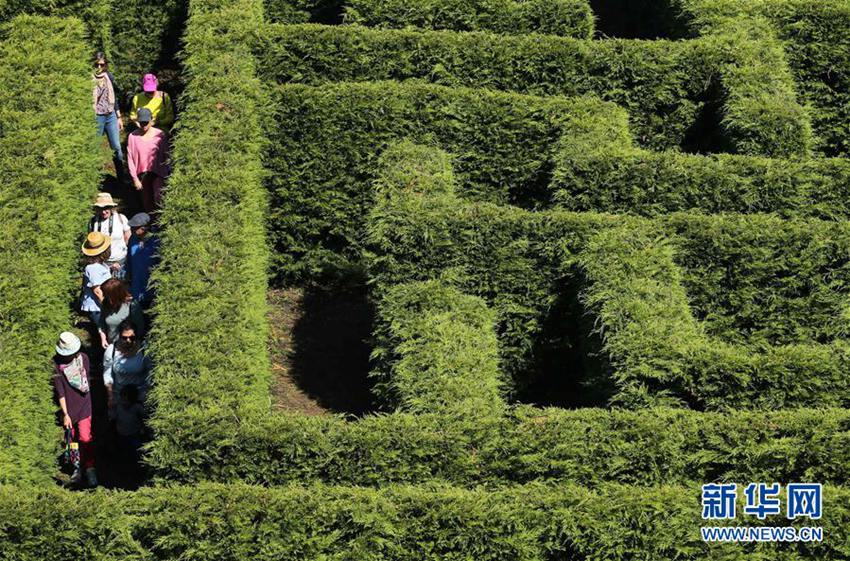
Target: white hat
[{"x": 69, "y": 344}]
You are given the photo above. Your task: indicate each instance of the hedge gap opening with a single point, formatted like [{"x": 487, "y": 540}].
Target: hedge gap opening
[
  {"x": 638, "y": 19},
  {"x": 568, "y": 372},
  {"x": 320, "y": 347}
]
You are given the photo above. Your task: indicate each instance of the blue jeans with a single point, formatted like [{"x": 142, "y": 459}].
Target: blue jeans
[{"x": 109, "y": 124}]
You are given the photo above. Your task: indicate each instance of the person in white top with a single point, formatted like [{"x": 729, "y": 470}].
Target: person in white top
[{"x": 107, "y": 220}]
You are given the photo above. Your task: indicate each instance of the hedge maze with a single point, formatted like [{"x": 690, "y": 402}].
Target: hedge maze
[{"x": 605, "y": 271}]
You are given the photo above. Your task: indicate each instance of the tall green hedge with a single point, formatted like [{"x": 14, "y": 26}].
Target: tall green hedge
[
  {"x": 521, "y": 523},
  {"x": 138, "y": 36},
  {"x": 210, "y": 334},
  {"x": 761, "y": 114},
  {"x": 599, "y": 170},
  {"x": 143, "y": 36},
  {"x": 437, "y": 352},
  {"x": 729, "y": 91},
  {"x": 587, "y": 446},
  {"x": 325, "y": 143},
  {"x": 435, "y": 348},
  {"x": 758, "y": 280},
  {"x": 722, "y": 312},
  {"x": 711, "y": 312},
  {"x": 664, "y": 85},
  {"x": 514, "y": 259},
  {"x": 816, "y": 40},
  {"x": 50, "y": 162},
  {"x": 570, "y": 18}
]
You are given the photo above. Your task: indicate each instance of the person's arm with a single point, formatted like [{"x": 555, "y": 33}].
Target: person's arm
[
  {"x": 94, "y": 277},
  {"x": 127, "y": 231},
  {"x": 108, "y": 361},
  {"x": 132, "y": 163},
  {"x": 60, "y": 393},
  {"x": 117, "y": 100},
  {"x": 66, "y": 419},
  {"x": 134, "y": 107},
  {"x": 166, "y": 113},
  {"x": 101, "y": 330}
]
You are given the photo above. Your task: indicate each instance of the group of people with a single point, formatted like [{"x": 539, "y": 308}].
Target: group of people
[
  {"x": 119, "y": 254},
  {"x": 152, "y": 115}
]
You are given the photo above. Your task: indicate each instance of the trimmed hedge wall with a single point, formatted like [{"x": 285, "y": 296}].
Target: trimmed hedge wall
[
  {"x": 435, "y": 348},
  {"x": 758, "y": 280},
  {"x": 586, "y": 446},
  {"x": 598, "y": 170},
  {"x": 671, "y": 89},
  {"x": 520, "y": 523},
  {"x": 514, "y": 259},
  {"x": 326, "y": 142},
  {"x": 532, "y": 522},
  {"x": 209, "y": 341},
  {"x": 663, "y": 85},
  {"x": 761, "y": 115},
  {"x": 143, "y": 35},
  {"x": 437, "y": 352},
  {"x": 137, "y": 36},
  {"x": 816, "y": 38},
  {"x": 658, "y": 351},
  {"x": 709, "y": 312},
  {"x": 50, "y": 164},
  {"x": 569, "y": 18}
]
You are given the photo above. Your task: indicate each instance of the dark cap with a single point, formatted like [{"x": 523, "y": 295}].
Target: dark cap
[
  {"x": 139, "y": 220},
  {"x": 143, "y": 115}
]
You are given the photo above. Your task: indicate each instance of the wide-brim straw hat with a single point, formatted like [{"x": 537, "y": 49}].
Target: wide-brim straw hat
[
  {"x": 69, "y": 344},
  {"x": 104, "y": 200},
  {"x": 96, "y": 243}
]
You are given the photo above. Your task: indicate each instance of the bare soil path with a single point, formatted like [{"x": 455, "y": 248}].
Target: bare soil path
[{"x": 319, "y": 346}]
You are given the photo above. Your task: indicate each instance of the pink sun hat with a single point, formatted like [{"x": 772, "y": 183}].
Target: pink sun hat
[{"x": 149, "y": 83}]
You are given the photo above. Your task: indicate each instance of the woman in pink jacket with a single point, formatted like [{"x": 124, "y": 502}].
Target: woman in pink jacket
[{"x": 147, "y": 158}]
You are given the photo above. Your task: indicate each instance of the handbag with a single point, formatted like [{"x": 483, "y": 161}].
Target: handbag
[{"x": 71, "y": 456}]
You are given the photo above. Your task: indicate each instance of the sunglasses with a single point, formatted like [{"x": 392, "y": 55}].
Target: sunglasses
[
  {"x": 130, "y": 338},
  {"x": 100, "y": 65}
]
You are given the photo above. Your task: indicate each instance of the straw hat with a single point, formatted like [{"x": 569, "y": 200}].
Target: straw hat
[
  {"x": 96, "y": 243},
  {"x": 104, "y": 200},
  {"x": 69, "y": 344}
]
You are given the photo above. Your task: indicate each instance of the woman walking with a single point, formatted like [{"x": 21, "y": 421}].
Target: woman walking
[
  {"x": 147, "y": 155},
  {"x": 107, "y": 220},
  {"x": 125, "y": 364},
  {"x": 105, "y": 99},
  {"x": 71, "y": 382},
  {"x": 118, "y": 306},
  {"x": 96, "y": 251},
  {"x": 155, "y": 101}
]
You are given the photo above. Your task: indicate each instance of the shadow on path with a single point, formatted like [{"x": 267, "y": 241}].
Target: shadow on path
[{"x": 328, "y": 354}]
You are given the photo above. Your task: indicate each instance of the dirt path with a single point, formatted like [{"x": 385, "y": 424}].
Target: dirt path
[
  {"x": 320, "y": 352},
  {"x": 284, "y": 313}
]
